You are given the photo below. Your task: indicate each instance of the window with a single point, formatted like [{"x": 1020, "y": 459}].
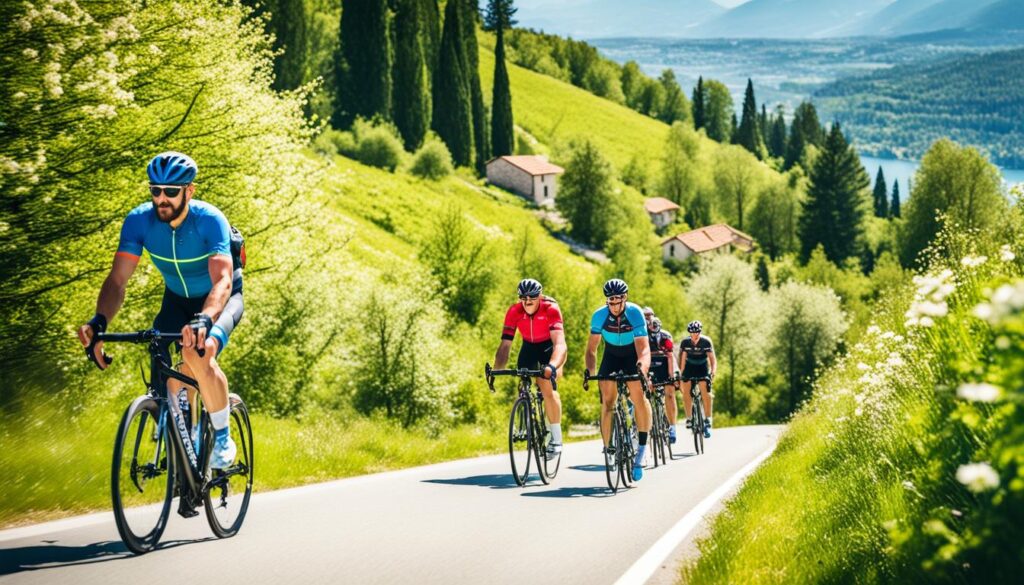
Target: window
[
  {"x": 545, "y": 191},
  {"x": 672, "y": 250}
]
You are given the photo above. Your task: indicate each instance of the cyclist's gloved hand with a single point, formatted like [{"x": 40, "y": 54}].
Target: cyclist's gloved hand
[
  {"x": 200, "y": 325},
  {"x": 98, "y": 324},
  {"x": 553, "y": 372}
]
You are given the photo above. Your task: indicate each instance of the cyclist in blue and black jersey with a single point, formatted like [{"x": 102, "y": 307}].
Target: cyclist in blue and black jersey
[
  {"x": 621, "y": 325},
  {"x": 190, "y": 243},
  {"x": 697, "y": 360}
]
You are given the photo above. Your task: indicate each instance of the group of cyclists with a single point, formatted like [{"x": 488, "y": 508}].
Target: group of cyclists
[
  {"x": 191, "y": 243},
  {"x": 634, "y": 342}
]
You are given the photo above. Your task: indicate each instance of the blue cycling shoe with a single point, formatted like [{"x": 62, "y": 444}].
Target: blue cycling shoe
[
  {"x": 224, "y": 451},
  {"x": 638, "y": 473},
  {"x": 672, "y": 434},
  {"x": 707, "y": 429}
]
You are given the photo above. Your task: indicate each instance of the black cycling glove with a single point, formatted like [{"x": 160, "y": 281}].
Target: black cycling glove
[
  {"x": 201, "y": 321},
  {"x": 98, "y": 323}
]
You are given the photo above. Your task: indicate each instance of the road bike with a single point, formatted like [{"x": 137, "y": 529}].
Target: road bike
[
  {"x": 527, "y": 431},
  {"x": 159, "y": 455},
  {"x": 697, "y": 420},
  {"x": 660, "y": 424},
  {"x": 621, "y": 448}
]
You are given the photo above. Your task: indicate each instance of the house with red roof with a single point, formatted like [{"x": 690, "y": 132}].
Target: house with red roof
[
  {"x": 531, "y": 176},
  {"x": 662, "y": 211},
  {"x": 713, "y": 239}
]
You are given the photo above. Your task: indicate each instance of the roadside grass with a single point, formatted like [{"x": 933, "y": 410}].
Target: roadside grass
[{"x": 864, "y": 485}]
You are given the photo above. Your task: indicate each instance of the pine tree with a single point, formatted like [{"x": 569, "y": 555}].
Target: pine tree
[
  {"x": 805, "y": 130},
  {"x": 833, "y": 211},
  {"x": 881, "y": 195},
  {"x": 364, "y": 79},
  {"x": 698, "y": 104},
  {"x": 733, "y": 126},
  {"x": 894, "y": 207},
  {"x": 500, "y": 14},
  {"x": 777, "y": 136},
  {"x": 453, "y": 110},
  {"x": 411, "y": 105},
  {"x": 748, "y": 134},
  {"x": 503, "y": 136},
  {"x": 763, "y": 124},
  {"x": 481, "y": 126}
]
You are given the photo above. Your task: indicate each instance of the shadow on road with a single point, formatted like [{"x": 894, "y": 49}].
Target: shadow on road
[
  {"x": 572, "y": 492},
  {"x": 494, "y": 481},
  {"x": 49, "y": 555},
  {"x": 590, "y": 467}
]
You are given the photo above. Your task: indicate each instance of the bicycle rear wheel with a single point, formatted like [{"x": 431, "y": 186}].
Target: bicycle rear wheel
[
  {"x": 539, "y": 434},
  {"x": 142, "y": 476},
  {"x": 611, "y": 456},
  {"x": 628, "y": 452},
  {"x": 549, "y": 466},
  {"x": 226, "y": 497},
  {"x": 668, "y": 440},
  {"x": 520, "y": 440},
  {"x": 698, "y": 425},
  {"x": 657, "y": 433}
]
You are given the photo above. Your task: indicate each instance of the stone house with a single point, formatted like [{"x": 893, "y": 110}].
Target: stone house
[
  {"x": 713, "y": 239},
  {"x": 662, "y": 211},
  {"x": 531, "y": 176}
]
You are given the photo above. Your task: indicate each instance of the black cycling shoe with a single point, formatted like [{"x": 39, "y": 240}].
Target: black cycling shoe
[{"x": 186, "y": 510}]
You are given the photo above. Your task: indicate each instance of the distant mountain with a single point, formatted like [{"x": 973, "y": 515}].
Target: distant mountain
[
  {"x": 888, "y": 20},
  {"x": 591, "y": 19},
  {"x": 790, "y": 18},
  {"x": 944, "y": 14},
  {"x": 1001, "y": 15}
]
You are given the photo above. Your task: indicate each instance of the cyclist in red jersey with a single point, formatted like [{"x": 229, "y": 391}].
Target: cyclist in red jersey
[{"x": 539, "y": 321}]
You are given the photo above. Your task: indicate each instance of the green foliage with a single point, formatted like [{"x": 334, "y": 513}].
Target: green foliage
[
  {"x": 833, "y": 213},
  {"x": 585, "y": 195},
  {"x": 632, "y": 80},
  {"x": 286, "y": 21},
  {"x": 367, "y": 56},
  {"x": 698, "y": 102},
  {"x": 974, "y": 99},
  {"x": 499, "y": 15},
  {"x": 880, "y": 195},
  {"x": 432, "y": 160},
  {"x": 502, "y": 126},
  {"x": 718, "y": 111},
  {"x": 677, "y": 107},
  {"x": 471, "y": 52},
  {"x": 776, "y": 139},
  {"x": 895, "y": 209},
  {"x": 805, "y": 131},
  {"x": 736, "y": 181},
  {"x": 636, "y": 173},
  {"x": 411, "y": 96},
  {"x": 453, "y": 107},
  {"x": 775, "y": 216},
  {"x": 748, "y": 134},
  {"x": 378, "y": 144},
  {"x": 954, "y": 185},
  {"x": 602, "y": 79},
  {"x": 457, "y": 259},
  {"x": 679, "y": 163}
]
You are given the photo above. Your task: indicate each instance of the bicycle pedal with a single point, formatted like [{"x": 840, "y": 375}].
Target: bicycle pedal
[{"x": 187, "y": 511}]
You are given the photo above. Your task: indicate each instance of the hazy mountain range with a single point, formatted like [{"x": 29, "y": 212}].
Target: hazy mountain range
[{"x": 766, "y": 18}]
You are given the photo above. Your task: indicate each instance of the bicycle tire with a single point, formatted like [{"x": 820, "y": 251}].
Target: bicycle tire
[
  {"x": 627, "y": 453},
  {"x": 668, "y": 439},
  {"x": 550, "y": 466},
  {"x": 539, "y": 434},
  {"x": 698, "y": 425},
  {"x": 225, "y": 512},
  {"x": 658, "y": 431},
  {"x": 611, "y": 466},
  {"x": 519, "y": 440},
  {"x": 140, "y": 522}
]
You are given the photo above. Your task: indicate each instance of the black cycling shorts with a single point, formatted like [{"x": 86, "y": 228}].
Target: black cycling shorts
[
  {"x": 622, "y": 358},
  {"x": 691, "y": 371},
  {"x": 534, "y": 356},
  {"x": 659, "y": 369},
  {"x": 177, "y": 311}
]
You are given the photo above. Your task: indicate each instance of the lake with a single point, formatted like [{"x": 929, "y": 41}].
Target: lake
[{"x": 903, "y": 170}]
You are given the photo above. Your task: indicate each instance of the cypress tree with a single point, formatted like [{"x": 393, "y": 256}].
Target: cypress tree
[
  {"x": 763, "y": 124},
  {"x": 833, "y": 211},
  {"x": 411, "y": 106},
  {"x": 881, "y": 195},
  {"x": 733, "y": 125},
  {"x": 748, "y": 134},
  {"x": 764, "y": 279},
  {"x": 453, "y": 111},
  {"x": 503, "y": 139},
  {"x": 894, "y": 208},
  {"x": 481, "y": 127},
  {"x": 698, "y": 104},
  {"x": 287, "y": 23},
  {"x": 432, "y": 37},
  {"x": 777, "y": 135},
  {"x": 364, "y": 79}
]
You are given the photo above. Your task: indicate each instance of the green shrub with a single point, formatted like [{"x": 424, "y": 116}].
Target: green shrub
[
  {"x": 432, "y": 161},
  {"x": 381, "y": 148}
]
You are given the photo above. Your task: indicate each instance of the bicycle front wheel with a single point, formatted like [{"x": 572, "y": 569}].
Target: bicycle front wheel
[
  {"x": 611, "y": 456},
  {"x": 142, "y": 476},
  {"x": 226, "y": 496},
  {"x": 655, "y": 439},
  {"x": 698, "y": 425},
  {"x": 627, "y": 453},
  {"x": 520, "y": 440}
]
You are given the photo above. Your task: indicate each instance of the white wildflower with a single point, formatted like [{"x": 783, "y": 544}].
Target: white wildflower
[
  {"x": 888, "y": 335},
  {"x": 973, "y": 261},
  {"x": 874, "y": 330},
  {"x": 978, "y": 477},
  {"x": 979, "y": 392},
  {"x": 30, "y": 54},
  {"x": 932, "y": 309},
  {"x": 1005, "y": 301},
  {"x": 859, "y": 411},
  {"x": 1005, "y": 254},
  {"x": 909, "y": 485},
  {"x": 895, "y": 360},
  {"x": 1002, "y": 342},
  {"x": 863, "y": 367},
  {"x": 20, "y": 95}
]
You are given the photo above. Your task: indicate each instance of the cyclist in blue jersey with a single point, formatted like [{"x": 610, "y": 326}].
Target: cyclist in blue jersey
[
  {"x": 621, "y": 325},
  {"x": 189, "y": 242}
]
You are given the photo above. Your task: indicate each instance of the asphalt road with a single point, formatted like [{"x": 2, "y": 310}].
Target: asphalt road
[{"x": 458, "y": 522}]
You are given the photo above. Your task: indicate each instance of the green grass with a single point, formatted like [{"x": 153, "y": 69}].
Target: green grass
[{"x": 862, "y": 487}]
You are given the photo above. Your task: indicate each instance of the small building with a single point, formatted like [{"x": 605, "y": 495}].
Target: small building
[
  {"x": 713, "y": 239},
  {"x": 531, "y": 176},
  {"x": 662, "y": 211}
]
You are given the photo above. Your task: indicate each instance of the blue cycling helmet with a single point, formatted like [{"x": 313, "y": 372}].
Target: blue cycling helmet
[
  {"x": 529, "y": 287},
  {"x": 171, "y": 168},
  {"x": 615, "y": 286}
]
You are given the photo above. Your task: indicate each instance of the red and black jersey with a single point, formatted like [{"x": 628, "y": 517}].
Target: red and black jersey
[
  {"x": 661, "y": 342},
  {"x": 535, "y": 328}
]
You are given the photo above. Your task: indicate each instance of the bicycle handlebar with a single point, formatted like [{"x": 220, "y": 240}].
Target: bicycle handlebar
[
  {"x": 521, "y": 372},
  {"x": 616, "y": 377},
  {"x": 138, "y": 336}
]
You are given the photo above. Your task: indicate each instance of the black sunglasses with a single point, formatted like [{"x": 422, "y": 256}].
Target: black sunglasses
[
  {"x": 532, "y": 298},
  {"x": 171, "y": 191}
]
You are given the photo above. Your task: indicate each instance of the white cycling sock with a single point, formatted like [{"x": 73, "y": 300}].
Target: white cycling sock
[
  {"x": 219, "y": 419},
  {"x": 556, "y": 433}
]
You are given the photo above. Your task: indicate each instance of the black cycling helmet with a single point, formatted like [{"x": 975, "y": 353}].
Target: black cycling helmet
[
  {"x": 529, "y": 287},
  {"x": 694, "y": 327},
  {"x": 655, "y": 325},
  {"x": 615, "y": 286}
]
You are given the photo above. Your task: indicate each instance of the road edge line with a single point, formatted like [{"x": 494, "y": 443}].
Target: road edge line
[{"x": 646, "y": 565}]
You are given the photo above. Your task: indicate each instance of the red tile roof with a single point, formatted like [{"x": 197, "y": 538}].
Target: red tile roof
[
  {"x": 712, "y": 237},
  {"x": 659, "y": 204},
  {"x": 534, "y": 165}
]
